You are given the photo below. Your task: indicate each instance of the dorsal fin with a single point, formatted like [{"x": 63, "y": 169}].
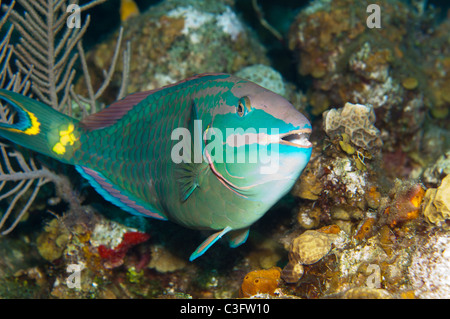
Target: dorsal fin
[{"x": 114, "y": 112}]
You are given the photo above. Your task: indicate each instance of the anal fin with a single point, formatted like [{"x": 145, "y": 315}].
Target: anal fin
[
  {"x": 189, "y": 172},
  {"x": 118, "y": 197},
  {"x": 238, "y": 237},
  {"x": 208, "y": 243}
]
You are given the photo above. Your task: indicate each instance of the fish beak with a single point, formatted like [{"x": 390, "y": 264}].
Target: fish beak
[{"x": 297, "y": 138}]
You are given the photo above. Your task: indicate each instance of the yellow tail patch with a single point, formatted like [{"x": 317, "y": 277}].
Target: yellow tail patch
[{"x": 65, "y": 137}]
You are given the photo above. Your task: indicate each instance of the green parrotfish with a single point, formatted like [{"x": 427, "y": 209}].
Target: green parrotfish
[{"x": 212, "y": 152}]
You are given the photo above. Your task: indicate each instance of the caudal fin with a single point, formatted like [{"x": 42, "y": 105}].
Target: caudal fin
[{"x": 39, "y": 127}]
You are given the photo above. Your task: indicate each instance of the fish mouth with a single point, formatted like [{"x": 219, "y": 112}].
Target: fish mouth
[{"x": 296, "y": 138}]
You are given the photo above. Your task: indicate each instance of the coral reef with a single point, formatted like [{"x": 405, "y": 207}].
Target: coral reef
[
  {"x": 367, "y": 293},
  {"x": 113, "y": 257},
  {"x": 382, "y": 68},
  {"x": 430, "y": 267},
  {"x": 366, "y": 229},
  {"x": 405, "y": 205},
  {"x": 264, "y": 76},
  {"x": 368, "y": 217},
  {"x": 164, "y": 261},
  {"x": 271, "y": 79},
  {"x": 441, "y": 167},
  {"x": 53, "y": 241}
]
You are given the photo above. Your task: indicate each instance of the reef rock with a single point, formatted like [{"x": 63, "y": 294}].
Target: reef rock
[
  {"x": 367, "y": 293},
  {"x": 177, "y": 39},
  {"x": 164, "y": 261}
]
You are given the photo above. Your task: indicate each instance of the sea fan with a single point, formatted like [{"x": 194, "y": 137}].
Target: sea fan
[{"x": 52, "y": 48}]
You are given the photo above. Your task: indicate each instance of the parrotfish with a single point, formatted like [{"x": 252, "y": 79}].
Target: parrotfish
[{"x": 211, "y": 152}]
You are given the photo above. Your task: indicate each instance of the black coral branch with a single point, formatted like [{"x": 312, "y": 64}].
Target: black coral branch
[
  {"x": 27, "y": 177},
  {"x": 51, "y": 47},
  {"x": 48, "y": 47}
]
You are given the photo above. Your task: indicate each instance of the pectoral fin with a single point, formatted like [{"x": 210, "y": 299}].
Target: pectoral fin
[
  {"x": 238, "y": 237},
  {"x": 188, "y": 173},
  {"x": 208, "y": 243}
]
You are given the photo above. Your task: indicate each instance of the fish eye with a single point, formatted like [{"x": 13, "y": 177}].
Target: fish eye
[
  {"x": 243, "y": 106},
  {"x": 240, "y": 109}
]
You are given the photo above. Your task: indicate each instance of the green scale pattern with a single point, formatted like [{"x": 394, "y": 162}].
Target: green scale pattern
[{"x": 134, "y": 153}]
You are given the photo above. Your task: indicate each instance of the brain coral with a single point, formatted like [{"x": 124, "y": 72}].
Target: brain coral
[{"x": 355, "y": 120}]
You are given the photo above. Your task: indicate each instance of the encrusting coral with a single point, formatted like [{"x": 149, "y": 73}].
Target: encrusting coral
[{"x": 53, "y": 241}]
